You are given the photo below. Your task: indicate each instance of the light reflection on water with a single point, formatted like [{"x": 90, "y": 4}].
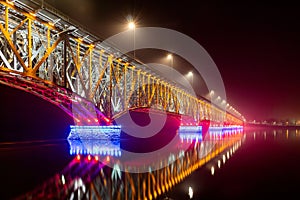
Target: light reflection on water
[
  {"x": 266, "y": 166},
  {"x": 212, "y": 154},
  {"x": 87, "y": 175}
]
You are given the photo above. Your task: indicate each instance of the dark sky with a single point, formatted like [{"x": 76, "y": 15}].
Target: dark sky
[{"x": 254, "y": 44}]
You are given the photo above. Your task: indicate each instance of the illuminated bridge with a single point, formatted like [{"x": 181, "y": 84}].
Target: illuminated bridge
[
  {"x": 43, "y": 52},
  {"x": 46, "y": 54}
]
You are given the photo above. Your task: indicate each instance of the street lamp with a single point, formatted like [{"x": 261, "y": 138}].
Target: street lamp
[
  {"x": 170, "y": 56},
  {"x": 131, "y": 26},
  {"x": 190, "y": 74}
]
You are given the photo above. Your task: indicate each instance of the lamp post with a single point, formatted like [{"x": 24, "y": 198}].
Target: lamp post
[
  {"x": 190, "y": 74},
  {"x": 131, "y": 26},
  {"x": 171, "y": 59}
]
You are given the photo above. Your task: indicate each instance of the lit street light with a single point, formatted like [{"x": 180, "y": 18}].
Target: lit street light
[
  {"x": 170, "y": 57},
  {"x": 131, "y": 26},
  {"x": 190, "y": 74}
]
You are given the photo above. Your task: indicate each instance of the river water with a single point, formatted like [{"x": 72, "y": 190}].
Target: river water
[{"x": 265, "y": 165}]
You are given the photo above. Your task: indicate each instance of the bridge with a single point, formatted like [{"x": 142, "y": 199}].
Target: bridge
[{"x": 45, "y": 53}]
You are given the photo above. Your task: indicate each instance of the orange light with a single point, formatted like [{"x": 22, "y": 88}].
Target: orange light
[
  {"x": 78, "y": 157},
  {"x": 107, "y": 158},
  {"x": 96, "y": 120},
  {"x": 131, "y": 25},
  {"x": 51, "y": 23},
  {"x": 89, "y": 157},
  {"x": 96, "y": 158},
  {"x": 10, "y": 2},
  {"x": 32, "y": 14}
]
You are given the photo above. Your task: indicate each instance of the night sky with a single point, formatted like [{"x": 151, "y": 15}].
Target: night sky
[{"x": 254, "y": 44}]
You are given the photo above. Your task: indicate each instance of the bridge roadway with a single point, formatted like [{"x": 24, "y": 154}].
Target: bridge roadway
[{"x": 52, "y": 57}]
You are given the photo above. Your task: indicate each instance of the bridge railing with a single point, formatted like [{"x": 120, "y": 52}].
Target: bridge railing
[{"x": 41, "y": 44}]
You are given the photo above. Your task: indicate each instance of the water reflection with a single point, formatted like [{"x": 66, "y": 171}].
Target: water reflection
[
  {"x": 95, "y": 147},
  {"x": 100, "y": 170}
]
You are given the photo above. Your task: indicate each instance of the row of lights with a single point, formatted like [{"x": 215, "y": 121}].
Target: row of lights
[
  {"x": 90, "y": 158},
  {"x": 132, "y": 26},
  {"x": 223, "y": 102},
  {"x": 225, "y": 157}
]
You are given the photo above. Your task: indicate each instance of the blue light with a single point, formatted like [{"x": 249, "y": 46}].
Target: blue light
[
  {"x": 191, "y": 136},
  {"x": 190, "y": 133},
  {"x": 223, "y": 128},
  {"x": 192, "y": 129},
  {"x": 94, "y": 132},
  {"x": 95, "y": 147}
]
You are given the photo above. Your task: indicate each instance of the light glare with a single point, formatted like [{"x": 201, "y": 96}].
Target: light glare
[{"x": 131, "y": 25}]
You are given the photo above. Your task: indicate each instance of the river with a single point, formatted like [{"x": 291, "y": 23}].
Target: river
[{"x": 263, "y": 164}]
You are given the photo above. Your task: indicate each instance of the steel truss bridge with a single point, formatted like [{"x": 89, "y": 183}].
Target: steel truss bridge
[{"x": 45, "y": 53}]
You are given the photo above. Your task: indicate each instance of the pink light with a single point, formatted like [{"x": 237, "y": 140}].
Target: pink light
[
  {"x": 89, "y": 120},
  {"x": 96, "y": 120}
]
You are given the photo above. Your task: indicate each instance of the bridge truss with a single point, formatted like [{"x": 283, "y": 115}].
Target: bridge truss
[{"x": 37, "y": 42}]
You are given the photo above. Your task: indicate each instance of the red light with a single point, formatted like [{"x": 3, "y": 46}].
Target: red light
[
  {"x": 96, "y": 158},
  {"x": 78, "y": 157},
  {"x": 77, "y": 120},
  {"x": 96, "y": 120},
  {"x": 107, "y": 120},
  {"x": 89, "y": 157}
]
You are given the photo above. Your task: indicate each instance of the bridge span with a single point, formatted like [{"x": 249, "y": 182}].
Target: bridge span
[{"x": 45, "y": 53}]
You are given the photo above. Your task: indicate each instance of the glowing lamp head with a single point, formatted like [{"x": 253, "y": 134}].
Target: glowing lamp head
[
  {"x": 169, "y": 57},
  {"x": 131, "y": 25}
]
